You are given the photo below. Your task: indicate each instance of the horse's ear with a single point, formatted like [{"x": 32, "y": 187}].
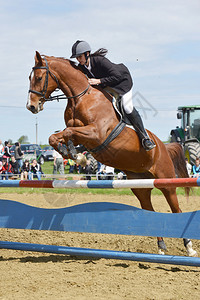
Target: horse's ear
[{"x": 38, "y": 58}]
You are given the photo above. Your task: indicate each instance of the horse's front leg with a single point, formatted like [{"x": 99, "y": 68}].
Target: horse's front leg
[
  {"x": 85, "y": 135},
  {"x": 57, "y": 141}
]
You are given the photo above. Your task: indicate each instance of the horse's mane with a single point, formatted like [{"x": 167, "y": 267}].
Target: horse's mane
[{"x": 65, "y": 60}]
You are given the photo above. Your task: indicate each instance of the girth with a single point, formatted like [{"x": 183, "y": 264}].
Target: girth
[{"x": 114, "y": 133}]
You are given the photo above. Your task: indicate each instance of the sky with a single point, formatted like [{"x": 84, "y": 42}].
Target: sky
[{"x": 159, "y": 41}]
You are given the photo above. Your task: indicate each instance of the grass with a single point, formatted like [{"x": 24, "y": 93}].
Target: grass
[
  {"x": 11, "y": 190},
  {"x": 47, "y": 167}
]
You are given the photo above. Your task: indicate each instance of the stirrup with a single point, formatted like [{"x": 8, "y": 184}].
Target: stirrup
[{"x": 148, "y": 144}]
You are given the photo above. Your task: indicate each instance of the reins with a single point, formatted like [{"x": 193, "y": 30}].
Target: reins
[
  {"x": 114, "y": 133},
  {"x": 57, "y": 97},
  {"x": 63, "y": 96}
]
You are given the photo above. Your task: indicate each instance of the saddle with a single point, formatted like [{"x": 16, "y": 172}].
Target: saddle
[
  {"x": 123, "y": 122},
  {"x": 117, "y": 104}
]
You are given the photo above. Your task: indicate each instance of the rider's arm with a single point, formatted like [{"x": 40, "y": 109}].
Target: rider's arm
[{"x": 112, "y": 74}]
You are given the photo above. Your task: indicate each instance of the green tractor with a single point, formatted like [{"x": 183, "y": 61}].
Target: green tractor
[{"x": 188, "y": 135}]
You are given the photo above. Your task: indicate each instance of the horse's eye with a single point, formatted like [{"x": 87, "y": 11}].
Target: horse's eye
[{"x": 38, "y": 78}]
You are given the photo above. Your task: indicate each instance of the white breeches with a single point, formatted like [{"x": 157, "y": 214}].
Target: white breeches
[{"x": 127, "y": 101}]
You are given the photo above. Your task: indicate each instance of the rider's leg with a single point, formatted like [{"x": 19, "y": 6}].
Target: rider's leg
[{"x": 135, "y": 119}]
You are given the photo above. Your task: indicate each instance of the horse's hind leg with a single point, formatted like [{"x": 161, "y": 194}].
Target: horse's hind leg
[
  {"x": 188, "y": 245},
  {"x": 144, "y": 196},
  {"x": 171, "y": 196}
]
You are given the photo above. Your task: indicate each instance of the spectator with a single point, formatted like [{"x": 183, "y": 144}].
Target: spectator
[
  {"x": 1, "y": 166},
  {"x": 35, "y": 170},
  {"x": 25, "y": 170},
  {"x": 71, "y": 165},
  {"x": 77, "y": 168},
  {"x": 58, "y": 165},
  {"x": 188, "y": 167},
  {"x": 19, "y": 155},
  {"x": 105, "y": 173},
  {"x": 14, "y": 165},
  {"x": 98, "y": 166},
  {"x": 88, "y": 169},
  {"x": 7, "y": 154},
  {"x": 196, "y": 168},
  {"x": 1, "y": 150},
  {"x": 6, "y": 169}
]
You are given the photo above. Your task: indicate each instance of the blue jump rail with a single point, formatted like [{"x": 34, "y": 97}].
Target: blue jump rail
[
  {"x": 107, "y": 254},
  {"x": 101, "y": 217}
]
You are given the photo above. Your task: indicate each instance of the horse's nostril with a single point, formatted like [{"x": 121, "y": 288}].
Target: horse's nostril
[{"x": 32, "y": 108}]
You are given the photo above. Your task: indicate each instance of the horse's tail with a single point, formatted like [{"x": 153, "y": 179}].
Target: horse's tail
[{"x": 175, "y": 151}]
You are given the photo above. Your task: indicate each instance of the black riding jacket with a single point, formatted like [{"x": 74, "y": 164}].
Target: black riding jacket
[{"x": 116, "y": 76}]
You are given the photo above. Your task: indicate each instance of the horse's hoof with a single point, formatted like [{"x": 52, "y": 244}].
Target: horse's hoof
[
  {"x": 72, "y": 150},
  {"x": 73, "y": 156},
  {"x": 161, "y": 252},
  {"x": 162, "y": 246},
  {"x": 62, "y": 148},
  {"x": 192, "y": 253}
]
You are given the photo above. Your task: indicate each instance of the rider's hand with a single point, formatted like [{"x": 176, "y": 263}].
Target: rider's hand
[{"x": 94, "y": 81}]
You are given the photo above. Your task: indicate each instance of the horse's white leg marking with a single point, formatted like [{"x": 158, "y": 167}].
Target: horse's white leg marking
[{"x": 190, "y": 250}]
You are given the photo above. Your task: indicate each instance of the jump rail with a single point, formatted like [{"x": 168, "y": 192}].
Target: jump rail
[
  {"x": 108, "y": 254},
  {"x": 110, "y": 184}
]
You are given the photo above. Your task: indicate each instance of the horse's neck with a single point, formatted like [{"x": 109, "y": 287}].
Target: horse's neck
[{"x": 71, "y": 81}]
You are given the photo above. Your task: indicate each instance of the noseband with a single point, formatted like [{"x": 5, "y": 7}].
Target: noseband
[{"x": 44, "y": 91}]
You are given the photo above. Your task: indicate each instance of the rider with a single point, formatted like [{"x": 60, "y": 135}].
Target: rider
[{"x": 103, "y": 72}]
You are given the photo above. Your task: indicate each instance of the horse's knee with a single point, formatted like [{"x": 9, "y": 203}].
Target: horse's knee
[
  {"x": 52, "y": 140},
  {"x": 67, "y": 135}
]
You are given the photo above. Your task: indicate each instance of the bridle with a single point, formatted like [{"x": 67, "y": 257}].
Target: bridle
[{"x": 44, "y": 90}]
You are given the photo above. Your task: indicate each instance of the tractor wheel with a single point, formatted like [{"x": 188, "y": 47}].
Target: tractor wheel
[
  {"x": 94, "y": 163},
  {"x": 192, "y": 150}
]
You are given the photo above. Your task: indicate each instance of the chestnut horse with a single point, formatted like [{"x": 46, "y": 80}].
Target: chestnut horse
[{"x": 90, "y": 118}]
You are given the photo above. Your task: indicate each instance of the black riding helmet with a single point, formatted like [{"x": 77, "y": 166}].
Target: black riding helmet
[{"x": 79, "y": 48}]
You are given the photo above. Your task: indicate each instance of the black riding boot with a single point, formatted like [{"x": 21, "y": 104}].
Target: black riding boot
[{"x": 137, "y": 123}]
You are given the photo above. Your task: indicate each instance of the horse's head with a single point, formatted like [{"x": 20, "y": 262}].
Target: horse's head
[{"x": 42, "y": 83}]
